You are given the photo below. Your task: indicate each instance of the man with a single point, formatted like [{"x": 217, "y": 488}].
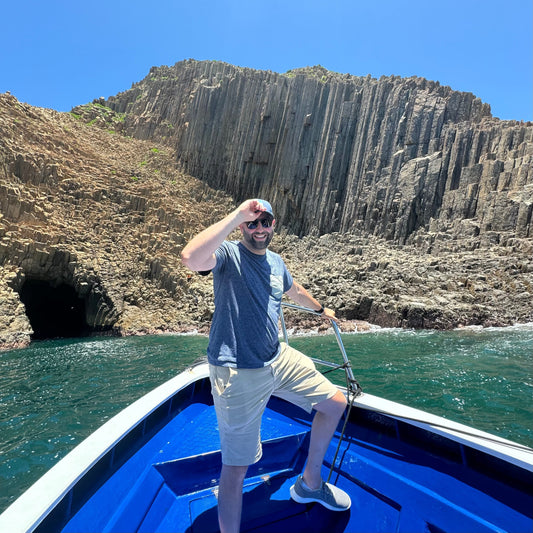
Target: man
[{"x": 247, "y": 362}]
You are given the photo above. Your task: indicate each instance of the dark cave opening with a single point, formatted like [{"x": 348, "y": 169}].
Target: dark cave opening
[{"x": 53, "y": 311}]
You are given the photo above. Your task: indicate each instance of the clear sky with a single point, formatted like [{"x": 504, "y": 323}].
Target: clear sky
[{"x": 61, "y": 53}]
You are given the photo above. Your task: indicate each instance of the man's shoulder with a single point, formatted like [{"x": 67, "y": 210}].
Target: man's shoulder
[
  {"x": 225, "y": 253},
  {"x": 228, "y": 247},
  {"x": 230, "y": 244}
]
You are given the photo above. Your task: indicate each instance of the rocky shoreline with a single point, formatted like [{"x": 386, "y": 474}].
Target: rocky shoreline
[{"x": 104, "y": 215}]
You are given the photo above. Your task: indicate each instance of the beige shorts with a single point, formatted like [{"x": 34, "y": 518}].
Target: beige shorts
[{"x": 241, "y": 395}]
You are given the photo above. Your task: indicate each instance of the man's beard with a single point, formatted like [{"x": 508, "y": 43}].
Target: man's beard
[{"x": 258, "y": 245}]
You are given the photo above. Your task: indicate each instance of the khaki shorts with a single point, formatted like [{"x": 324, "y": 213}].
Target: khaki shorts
[{"x": 241, "y": 395}]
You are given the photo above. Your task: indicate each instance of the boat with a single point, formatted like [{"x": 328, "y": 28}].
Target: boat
[{"x": 154, "y": 467}]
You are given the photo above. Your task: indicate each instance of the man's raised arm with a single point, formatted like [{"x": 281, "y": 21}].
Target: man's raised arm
[{"x": 199, "y": 253}]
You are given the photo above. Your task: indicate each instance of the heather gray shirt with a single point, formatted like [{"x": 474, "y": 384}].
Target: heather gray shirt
[{"x": 248, "y": 290}]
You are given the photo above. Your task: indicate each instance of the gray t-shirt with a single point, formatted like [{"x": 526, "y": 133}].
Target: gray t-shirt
[{"x": 248, "y": 290}]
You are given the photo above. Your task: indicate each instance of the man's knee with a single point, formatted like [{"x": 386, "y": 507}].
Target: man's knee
[
  {"x": 333, "y": 406},
  {"x": 234, "y": 474}
]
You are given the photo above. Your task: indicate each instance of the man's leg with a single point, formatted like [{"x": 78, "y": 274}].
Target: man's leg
[
  {"x": 240, "y": 397},
  {"x": 328, "y": 414},
  {"x": 298, "y": 382},
  {"x": 230, "y": 498},
  {"x": 309, "y": 487}
]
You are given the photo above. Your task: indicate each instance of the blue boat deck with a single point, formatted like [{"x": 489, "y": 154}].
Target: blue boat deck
[{"x": 395, "y": 480}]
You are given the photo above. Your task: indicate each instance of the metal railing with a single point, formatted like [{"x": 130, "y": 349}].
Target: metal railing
[{"x": 353, "y": 386}]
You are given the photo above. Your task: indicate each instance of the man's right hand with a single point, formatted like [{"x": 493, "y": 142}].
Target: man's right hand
[
  {"x": 250, "y": 210},
  {"x": 199, "y": 253}
]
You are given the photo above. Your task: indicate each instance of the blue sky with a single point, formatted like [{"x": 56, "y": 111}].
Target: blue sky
[{"x": 61, "y": 53}]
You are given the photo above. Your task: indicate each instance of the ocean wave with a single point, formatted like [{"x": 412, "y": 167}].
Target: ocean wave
[{"x": 526, "y": 326}]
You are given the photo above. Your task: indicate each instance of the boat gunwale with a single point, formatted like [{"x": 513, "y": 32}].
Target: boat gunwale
[
  {"x": 504, "y": 449},
  {"x": 27, "y": 512}
]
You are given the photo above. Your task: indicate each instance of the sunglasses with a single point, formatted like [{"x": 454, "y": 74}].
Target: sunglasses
[{"x": 265, "y": 222}]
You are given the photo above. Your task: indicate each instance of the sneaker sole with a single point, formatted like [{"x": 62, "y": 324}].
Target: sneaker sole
[{"x": 300, "y": 499}]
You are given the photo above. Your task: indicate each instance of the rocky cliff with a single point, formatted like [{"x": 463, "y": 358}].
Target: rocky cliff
[
  {"x": 91, "y": 226},
  {"x": 413, "y": 214},
  {"x": 393, "y": 157}
]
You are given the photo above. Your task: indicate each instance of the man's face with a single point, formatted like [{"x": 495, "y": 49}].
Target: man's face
[{"x": 257, "y": 236}]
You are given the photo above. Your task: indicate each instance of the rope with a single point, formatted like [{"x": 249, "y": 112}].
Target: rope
[
  {"x": 341, "y": 438},
  {"x": 354, "y": 390},
  {"x": 352, "y": 385}
]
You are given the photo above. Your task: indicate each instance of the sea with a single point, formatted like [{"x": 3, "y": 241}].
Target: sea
[{"x": 54, "y": 393}]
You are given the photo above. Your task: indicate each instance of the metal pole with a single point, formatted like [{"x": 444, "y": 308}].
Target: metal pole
[{"x": 347, "y": 365}]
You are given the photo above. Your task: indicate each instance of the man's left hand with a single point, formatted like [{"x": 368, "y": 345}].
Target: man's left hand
[{"x": 329, "y": 313}]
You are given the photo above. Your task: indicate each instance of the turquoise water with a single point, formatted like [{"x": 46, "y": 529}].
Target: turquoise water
[{"x": 55, "y": 393}]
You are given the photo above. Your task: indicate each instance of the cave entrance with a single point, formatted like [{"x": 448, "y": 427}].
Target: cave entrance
[{"x": 53, "y": 310}]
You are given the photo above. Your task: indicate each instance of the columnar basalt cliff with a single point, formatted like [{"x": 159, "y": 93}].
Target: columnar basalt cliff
[
  {"x": 399, "y": 202},
  {"x": 392, "y": 157}
]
